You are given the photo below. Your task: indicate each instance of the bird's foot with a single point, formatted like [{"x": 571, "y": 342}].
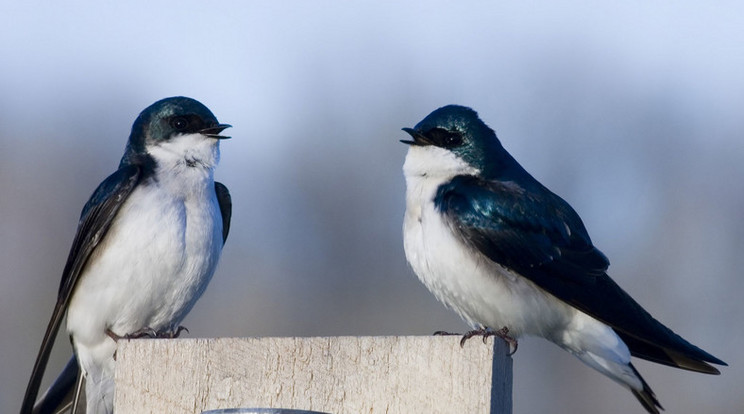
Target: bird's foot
[
  {"x": 502, "y": 333},
  {"x": 485, "y": 332},
  {"x": 147, "y": 332},
  {"x": 178, "y": 331},
  {"x": 445, "y": 333}
]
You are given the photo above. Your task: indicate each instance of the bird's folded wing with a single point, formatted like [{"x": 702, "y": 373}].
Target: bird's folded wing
[
  {"x": 225, "y": 202},
  {"x": 536, "y": 234}
]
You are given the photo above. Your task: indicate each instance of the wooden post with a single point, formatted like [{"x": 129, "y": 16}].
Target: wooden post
[{"x": 410, "y": 374}]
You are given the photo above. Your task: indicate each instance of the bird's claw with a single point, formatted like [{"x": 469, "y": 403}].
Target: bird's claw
[
  {"x": 178, "y": 331},
  {"x": 445, "y": 333},
  {"x": 147, "y": 332},
  {"x": 502, "y": 333}
]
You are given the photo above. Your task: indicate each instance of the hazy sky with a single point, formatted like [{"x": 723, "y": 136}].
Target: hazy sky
[{"x": 631, "y": 111}]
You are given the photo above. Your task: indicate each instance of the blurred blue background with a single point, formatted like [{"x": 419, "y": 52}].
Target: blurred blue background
[{"x": 631, "y": 111}]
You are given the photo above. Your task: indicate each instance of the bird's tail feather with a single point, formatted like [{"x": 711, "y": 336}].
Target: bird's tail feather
[
  {"x": 626, "y": 375},
  {"x": 646, "y": 396},
  {"x": 599, "y": 347},
  {"x": 58, "y": 397}
]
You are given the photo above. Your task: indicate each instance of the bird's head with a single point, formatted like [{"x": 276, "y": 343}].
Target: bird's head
[
  {"x": 453, "y": 140},
  {"x": 175, "y": 129}
]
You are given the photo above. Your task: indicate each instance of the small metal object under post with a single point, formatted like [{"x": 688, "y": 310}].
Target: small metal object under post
[{"x": 260, "y": 411}]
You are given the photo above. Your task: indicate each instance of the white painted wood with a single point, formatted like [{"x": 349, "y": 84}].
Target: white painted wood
[{"x": 410, "y": 374}]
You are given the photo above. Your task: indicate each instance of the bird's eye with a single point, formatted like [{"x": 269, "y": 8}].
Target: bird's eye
[
  {"x": 452, "y": 140},
  {"x": 179, "y": 123},
  {"x": 445, "y": 138}
]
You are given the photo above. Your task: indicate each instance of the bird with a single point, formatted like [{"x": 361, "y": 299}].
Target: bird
[
  {"x": 512, "y": 258},
  {"x": 147, "y": 244}
]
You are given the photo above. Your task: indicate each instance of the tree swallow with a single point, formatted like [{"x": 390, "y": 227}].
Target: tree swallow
[
  {"x": 512, "y": 258},
  {"x": 147, "y": 244}
]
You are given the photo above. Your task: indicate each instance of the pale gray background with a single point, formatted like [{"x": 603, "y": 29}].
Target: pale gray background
[{"x": 632, "y": 112}]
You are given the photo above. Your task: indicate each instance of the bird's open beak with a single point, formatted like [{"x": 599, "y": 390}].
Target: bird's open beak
[
  {"x": 214, "y": 131},
  {"x": 418, "y": 138}
]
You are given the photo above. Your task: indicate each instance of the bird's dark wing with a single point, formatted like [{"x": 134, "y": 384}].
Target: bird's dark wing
[
  {"x": 225, "y": 201},
  {"x": 95, "y": 220},
  {"x": 536, "y": 234}
]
